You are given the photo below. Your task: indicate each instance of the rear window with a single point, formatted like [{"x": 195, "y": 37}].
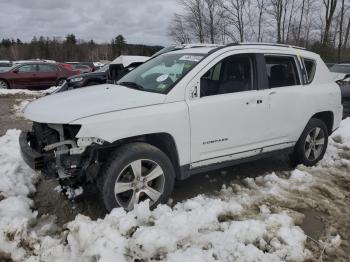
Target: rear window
[{"x": 310, "y": 66}]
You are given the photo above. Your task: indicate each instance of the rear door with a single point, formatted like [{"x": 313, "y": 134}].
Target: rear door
[
  {"x": 25, "y": 76},
  {"x": 284, "y": 97},
  {"x": 47, "y": 75},
  {"x": 229, "y": 114}
]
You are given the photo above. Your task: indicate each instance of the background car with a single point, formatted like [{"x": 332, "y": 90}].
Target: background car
[
  {"x": 83, "y": 65},
  {"x": 34, "y": 75},
  {"x": 5, "y": 65},
  {"x": 344, "y": 85},
  {"x": 340, "y": 68},
  {"x": 109, "y": 73}
]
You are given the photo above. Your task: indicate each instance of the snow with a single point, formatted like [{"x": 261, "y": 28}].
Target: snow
[
  {"x": 28, "y": 92},
  {"x": 237, "y": 224}
]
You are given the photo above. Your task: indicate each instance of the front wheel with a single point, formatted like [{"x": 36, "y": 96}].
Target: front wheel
[
  {"x": 60, "y": 82},
  {"x": 136, "y": 172},
  {"x": 312, "y": 143}
]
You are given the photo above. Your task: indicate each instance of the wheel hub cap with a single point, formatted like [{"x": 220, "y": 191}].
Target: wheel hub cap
[{"x": 140, "y": 180}]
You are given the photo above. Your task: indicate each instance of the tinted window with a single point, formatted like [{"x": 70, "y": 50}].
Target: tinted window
[
  {"x": 281, "y": 71},
  {"x": 27, "y": 68},
  {"x": 230, "y": 75},
  {"x": 47, "y": 68},
  {"x": 310, "y": 66}
]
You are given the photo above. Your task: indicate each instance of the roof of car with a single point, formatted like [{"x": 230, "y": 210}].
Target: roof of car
[{"x": 207, "y": 48}]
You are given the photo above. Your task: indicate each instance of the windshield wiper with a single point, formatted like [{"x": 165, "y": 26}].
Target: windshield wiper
[{"x": 132, "y": 85}]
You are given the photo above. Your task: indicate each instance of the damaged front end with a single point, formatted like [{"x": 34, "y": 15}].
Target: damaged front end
[{"x": 54, "y": 150}]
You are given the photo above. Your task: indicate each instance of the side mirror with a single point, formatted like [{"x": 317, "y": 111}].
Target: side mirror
[{"x": 15, "y": 71}]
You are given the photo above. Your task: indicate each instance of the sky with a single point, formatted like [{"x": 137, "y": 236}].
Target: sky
[{"x": 139, "y": 21}]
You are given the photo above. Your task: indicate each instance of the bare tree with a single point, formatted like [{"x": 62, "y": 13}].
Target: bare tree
[
  {"x": 214, "y": 16},
  {"x": 301, "y": 20},
  {"x": 177, "y": 30},
  {"x": 277, "y": 12},
  {"x": 330, "y": 6},
  {"x": 340, "y": 41},
  {"x": 261, "y": 8},
  {"x": 235, "y": 12}
]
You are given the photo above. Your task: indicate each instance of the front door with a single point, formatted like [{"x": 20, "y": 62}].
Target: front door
[
  {"x": 229, "y": 115},
  {"x": 25, "y": 76}
]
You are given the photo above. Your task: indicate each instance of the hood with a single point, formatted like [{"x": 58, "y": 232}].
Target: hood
[
  {"x": 65, "y": 107},
  {"x": 87, "y": 75}
]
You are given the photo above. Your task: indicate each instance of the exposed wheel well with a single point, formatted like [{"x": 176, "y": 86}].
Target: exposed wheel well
[
  {"x": 327, "y": 117},
  {"x": 164, "y": 141}
]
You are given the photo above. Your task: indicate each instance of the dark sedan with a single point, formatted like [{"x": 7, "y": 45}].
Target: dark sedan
[
  {"x": 89, "y": 79},
  {"x": 34, "y": 76}
]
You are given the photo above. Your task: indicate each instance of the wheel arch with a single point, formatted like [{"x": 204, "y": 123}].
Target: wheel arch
[
  {"x": 163, "y": 141},
  {"x": 327, "y": 117}
]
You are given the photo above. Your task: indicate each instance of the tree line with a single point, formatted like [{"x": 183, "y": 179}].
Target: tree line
[
  {"x": 71, "y": 49},
  {"x": 322, "y": 26}
]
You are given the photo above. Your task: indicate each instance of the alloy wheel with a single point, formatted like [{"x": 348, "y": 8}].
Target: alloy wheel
[
  {"x": 314, "y": 143},
  {"x": 140, "y": 180}
]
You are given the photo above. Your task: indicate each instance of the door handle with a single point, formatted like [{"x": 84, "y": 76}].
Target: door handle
[{"x": 272, "y": 93}]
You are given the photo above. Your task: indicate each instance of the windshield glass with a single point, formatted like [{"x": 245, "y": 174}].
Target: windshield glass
[
  {"x": 103, "y": 69},
  {"x": 161, "y": 73},
  {"x": 6, "y": 69},
  {"x": 340, "y": 69}
]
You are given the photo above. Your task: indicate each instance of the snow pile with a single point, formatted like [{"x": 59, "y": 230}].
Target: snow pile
[
  {"x": 4, "y": 92},
  {"x": 243, "y": 222},
  {"x": 16, "y": 183}
]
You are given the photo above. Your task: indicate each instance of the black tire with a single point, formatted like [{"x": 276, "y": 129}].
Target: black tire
[
  {"x": 60, "y": 81},
  {"x": 4, "y": 84},
  {"x": 301, "y": 149},
  {"x": 120, "y": 161}
]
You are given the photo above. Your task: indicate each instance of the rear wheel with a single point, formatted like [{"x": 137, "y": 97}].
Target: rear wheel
[
  {"x": 3, "y": 84},
  {"x": 312, "y": 144},
  {"x": 136, "y": 172}
]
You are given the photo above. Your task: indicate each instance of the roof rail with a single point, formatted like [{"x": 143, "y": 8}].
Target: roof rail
[{"x": 267, "y": 44}]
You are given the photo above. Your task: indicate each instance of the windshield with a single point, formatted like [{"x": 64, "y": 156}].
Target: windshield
[
  {"x": 103, "y": 69},
  {"x": 161, "y": 73},
  {"x": 340, "y": 69}
]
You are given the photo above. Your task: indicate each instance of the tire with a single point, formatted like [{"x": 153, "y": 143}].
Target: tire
[
  {"x": 3, "y": 84},
  {"x": 122, "y": 167},
  {"x": 312, "y": 144},
  {"x": 60, "y": 82}
]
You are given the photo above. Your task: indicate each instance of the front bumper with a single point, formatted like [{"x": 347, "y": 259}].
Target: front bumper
[{"x": 33, "y": 158}]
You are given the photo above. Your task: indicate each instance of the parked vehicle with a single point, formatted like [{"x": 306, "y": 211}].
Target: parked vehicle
[
  {"x": 340, "y": 68},
  {"x": 5, "y": 65},
  {"x": 344, "y": 84},
  {"x": 181, "y": 113},
  {"x": 34, "y": 75},
  {"x": 83, "y": 65},
  {"x": 113, "y": 71}
]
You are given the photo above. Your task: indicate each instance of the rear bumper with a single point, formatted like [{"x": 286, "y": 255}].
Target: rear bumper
[{"x": 33, "y": 158}]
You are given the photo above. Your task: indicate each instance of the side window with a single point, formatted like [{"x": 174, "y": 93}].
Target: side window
[
  {"x": 47, "y": 68},
  {"x": 281, "y": 71},
  {"x": 230, "y": 75},
  {"x": 27, "y": 68},
  {"x": 310, "y": 66}
]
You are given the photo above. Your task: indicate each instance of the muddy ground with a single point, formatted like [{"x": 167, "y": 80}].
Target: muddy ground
[{"x": 323, "y": 212}]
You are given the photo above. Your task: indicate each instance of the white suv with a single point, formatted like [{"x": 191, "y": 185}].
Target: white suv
[{"x": 184, "y": 112}]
